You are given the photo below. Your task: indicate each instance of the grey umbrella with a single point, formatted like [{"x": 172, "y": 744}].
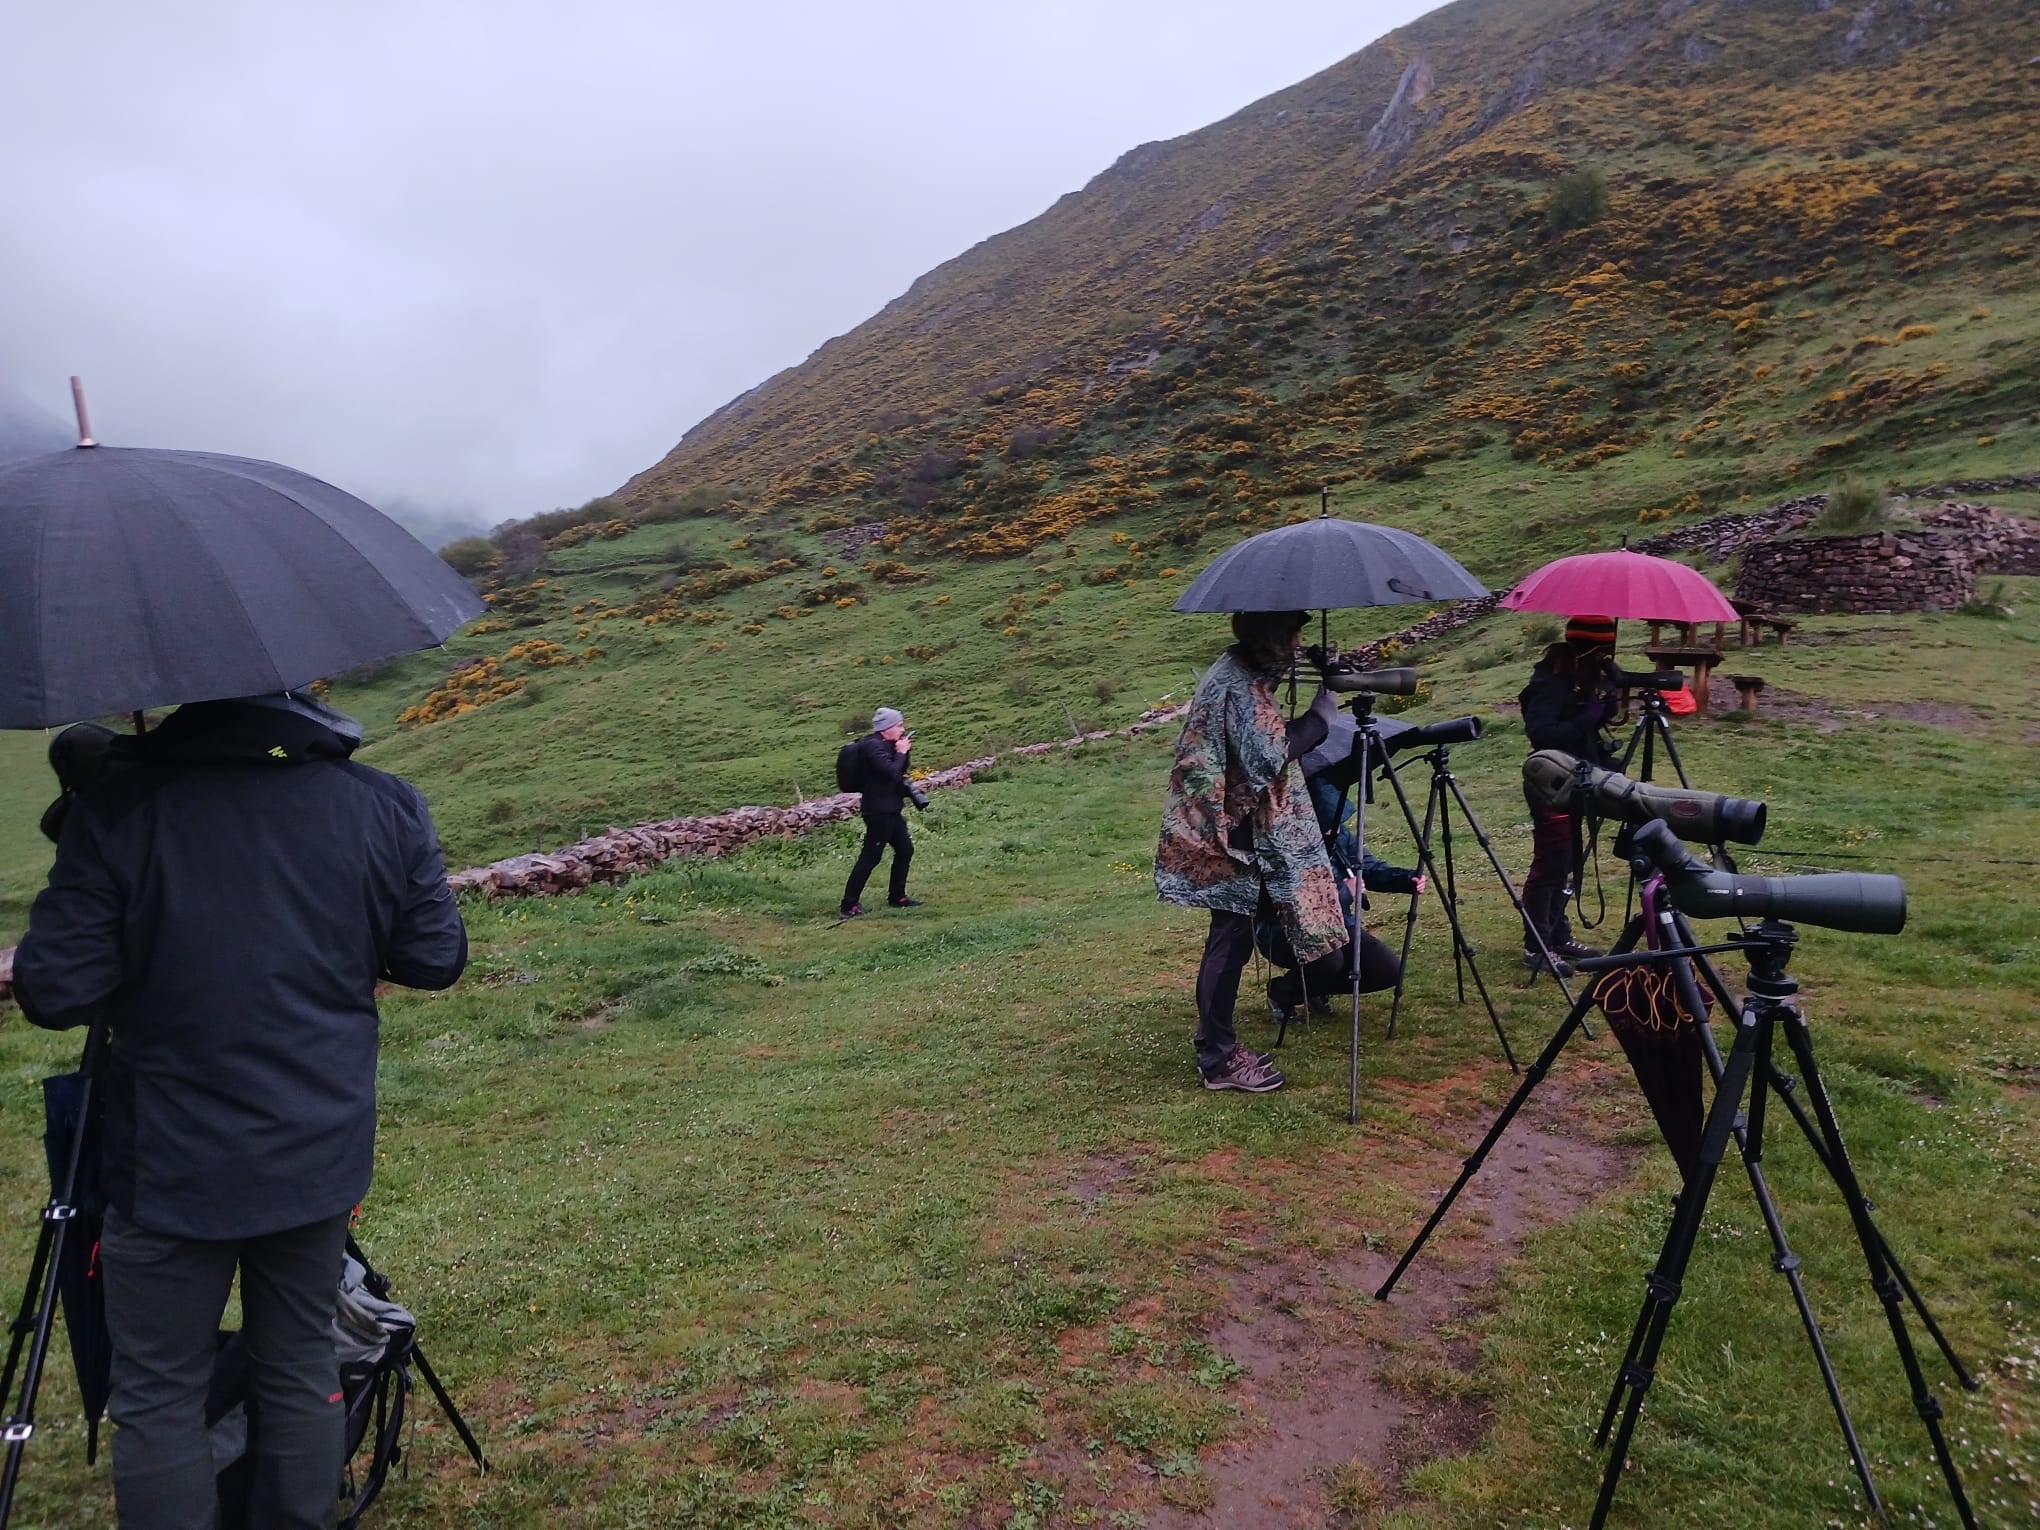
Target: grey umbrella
[
  {"x": 1328, "y": 563},
  {"x": 134, "y": 578}
]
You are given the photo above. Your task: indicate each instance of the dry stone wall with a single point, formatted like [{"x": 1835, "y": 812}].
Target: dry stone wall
[
  {"x": 1881, "y": 571},
  {"x": 1997, "y": 542}
]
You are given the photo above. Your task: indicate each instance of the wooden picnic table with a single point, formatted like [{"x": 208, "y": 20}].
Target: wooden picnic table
[
  {"x": 1699, "y": 658},
  {"x": 1689, "y": 632}
]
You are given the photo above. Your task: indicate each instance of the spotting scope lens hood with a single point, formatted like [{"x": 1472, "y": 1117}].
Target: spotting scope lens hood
[
  {"x": 1869, "y": 903},
  {"x": 1565, "y": 784}
]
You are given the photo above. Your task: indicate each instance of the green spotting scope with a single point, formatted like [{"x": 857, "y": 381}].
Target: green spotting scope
[
  {"x": 1869, "y": 903},
  {"x": 1567, "y": 785}
]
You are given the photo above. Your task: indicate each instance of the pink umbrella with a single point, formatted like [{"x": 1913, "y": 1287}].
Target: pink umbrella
[{"x": 1622, "y": 584}]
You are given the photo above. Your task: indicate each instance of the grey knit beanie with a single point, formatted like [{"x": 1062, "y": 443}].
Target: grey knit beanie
[{"x": 884, "y": 718}]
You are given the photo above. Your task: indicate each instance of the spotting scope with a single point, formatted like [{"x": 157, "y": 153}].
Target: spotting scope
[
  {"x": 1563, "y": 784},
  {"x": 1453, "y": 730},
  {"x": 1341, "y": 676},
  {"x": 1870, "y": 903}
]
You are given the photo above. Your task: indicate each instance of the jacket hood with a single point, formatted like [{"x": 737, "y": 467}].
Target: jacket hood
[{"x": 286, "y": 728}]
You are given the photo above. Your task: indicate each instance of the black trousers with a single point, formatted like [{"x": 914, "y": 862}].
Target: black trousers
[
  {"x": 1556, "y": 847},
  {"x": 881, "y": 830},
  {"x": 1227, "y": 945},
  {"x": 164, "y": 1299},
  {"x": 1330, "y": 975}
]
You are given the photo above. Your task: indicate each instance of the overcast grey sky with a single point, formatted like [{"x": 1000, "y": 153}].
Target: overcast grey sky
[{"x": 487, "y": 257}]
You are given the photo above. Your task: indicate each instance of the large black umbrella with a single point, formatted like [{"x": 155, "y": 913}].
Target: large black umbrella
[
  {"x": 1328, "y": 563},
  {"x": 135, "y": 578}
]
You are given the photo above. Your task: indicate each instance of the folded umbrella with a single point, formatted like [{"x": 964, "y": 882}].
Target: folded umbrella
[
  {"x": 139, "y": 578},
  {"x": 1622, "y": 584}
]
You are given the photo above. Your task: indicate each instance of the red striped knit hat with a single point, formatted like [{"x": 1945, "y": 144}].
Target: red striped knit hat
[{"x": 1591, "y": 631}]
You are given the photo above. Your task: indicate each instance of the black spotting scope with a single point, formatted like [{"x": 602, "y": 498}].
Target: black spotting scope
[
  {"x": 1564, "y": 784},
  {"x": 1870, "y": 903},
  {"x": 1338, "y": 675},
  {"x": 1453, "y": 730}
]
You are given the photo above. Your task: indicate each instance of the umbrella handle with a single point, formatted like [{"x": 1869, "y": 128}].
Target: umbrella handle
[{"x": 78, "y": 404}]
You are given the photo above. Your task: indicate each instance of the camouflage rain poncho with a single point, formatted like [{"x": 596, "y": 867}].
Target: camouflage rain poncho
[{"x": 1232, "y": 767}]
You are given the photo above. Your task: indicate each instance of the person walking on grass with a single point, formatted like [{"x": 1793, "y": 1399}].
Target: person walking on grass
[
  {"x": 228, "y": 891},
  {"x": 881, "y": 775},
  {"x": 1239, "y": 835}
]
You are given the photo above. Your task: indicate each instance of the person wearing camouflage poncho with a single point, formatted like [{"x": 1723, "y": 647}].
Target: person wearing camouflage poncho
[{"x": 1238, "y": 831}]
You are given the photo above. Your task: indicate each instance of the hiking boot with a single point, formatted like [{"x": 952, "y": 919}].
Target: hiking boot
[
  {"x": 1281, "y": 1011},
  {"x": 904, "y": 902},
  {"x": 851, "y": 912},
  {"x": 1557, "y": 966},
  {"x": 1244, "y": 1070},
  {"x": 1573, "y": 950}
]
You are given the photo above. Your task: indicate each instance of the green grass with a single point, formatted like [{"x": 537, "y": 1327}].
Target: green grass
[{"x": 718, "y": 1213}]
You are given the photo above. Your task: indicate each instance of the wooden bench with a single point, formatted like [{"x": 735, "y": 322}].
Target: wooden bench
[
  {"x": 1749, "y": 688},
  {"x": 1754, "y": 622}
]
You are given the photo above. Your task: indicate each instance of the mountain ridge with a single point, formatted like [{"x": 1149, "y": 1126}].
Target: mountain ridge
[{"x": 1443, "y": 131}]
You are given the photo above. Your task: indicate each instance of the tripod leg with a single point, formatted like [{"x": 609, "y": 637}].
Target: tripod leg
[
  {"x": 1480, "y": 837},
  {"x": 1410, "y": 923},
  {"x": 1787, "y": 1089},
  {"x": 34, "y": 1322},
  {"x": 1882, "y": 1281},
  {"x": 1460, "y": 945},
  {"x": 1450, "y": 892},
  {"x": 446, "y": 1406},
  {"x": 1532, "y": 1077},
  {"x": 1662, "y": 1288}
]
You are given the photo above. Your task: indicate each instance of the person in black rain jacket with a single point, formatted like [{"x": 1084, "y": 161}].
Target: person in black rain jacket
[
  {"x": 227, "y": 893},
  {"x": 886, "y": 789}
]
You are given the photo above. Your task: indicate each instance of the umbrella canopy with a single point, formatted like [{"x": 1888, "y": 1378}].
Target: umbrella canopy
[
  {"x": 1328, "y": 563},
  {"x": 1622, "y": 584},
  {"x": 134, "y": 578}
]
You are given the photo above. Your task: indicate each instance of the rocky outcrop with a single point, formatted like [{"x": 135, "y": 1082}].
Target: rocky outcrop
[
  {"x": 1878, "y": 572},
  {"x": 1398, "y": 122}
]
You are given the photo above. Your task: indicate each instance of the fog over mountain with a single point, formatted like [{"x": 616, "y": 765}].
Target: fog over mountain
[{"x": 488, "y": 259}]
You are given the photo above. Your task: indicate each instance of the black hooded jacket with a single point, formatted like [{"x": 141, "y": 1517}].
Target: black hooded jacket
[
  {"x": 228, "y": 891},
  {"x": 1558, "y": 714}
]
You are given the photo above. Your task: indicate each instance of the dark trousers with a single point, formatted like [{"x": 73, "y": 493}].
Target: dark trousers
[
  {"x": 1556, "y": 849},
  {"x": 880, "y": 830},
  {"x": 1331, "y": 975},
  {"x": 1227, "y": 945},
  {"x": 164, "y": 1300}
]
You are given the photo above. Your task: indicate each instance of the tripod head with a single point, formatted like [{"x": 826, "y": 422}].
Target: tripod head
[{"x": 1769, "y": 946}]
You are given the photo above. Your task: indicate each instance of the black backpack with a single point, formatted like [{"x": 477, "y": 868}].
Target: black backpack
[
  {"x": 375, "y": 1342},
  {"x": 850, "y": 766}
]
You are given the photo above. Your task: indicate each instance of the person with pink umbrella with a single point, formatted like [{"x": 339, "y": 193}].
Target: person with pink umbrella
[{"x": 1567, "y": 705}]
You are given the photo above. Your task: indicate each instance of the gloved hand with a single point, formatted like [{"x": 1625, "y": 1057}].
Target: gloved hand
[{"x": 1597, "y": 709}]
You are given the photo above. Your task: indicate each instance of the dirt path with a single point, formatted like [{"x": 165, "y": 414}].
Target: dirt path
[{"x": 1349, "y": 1395}]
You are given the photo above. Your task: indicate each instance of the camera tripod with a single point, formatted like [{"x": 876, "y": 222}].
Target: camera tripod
[
  {"x": 1443, "y": 791},
  {"x": 1748, "y": 1068}
]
